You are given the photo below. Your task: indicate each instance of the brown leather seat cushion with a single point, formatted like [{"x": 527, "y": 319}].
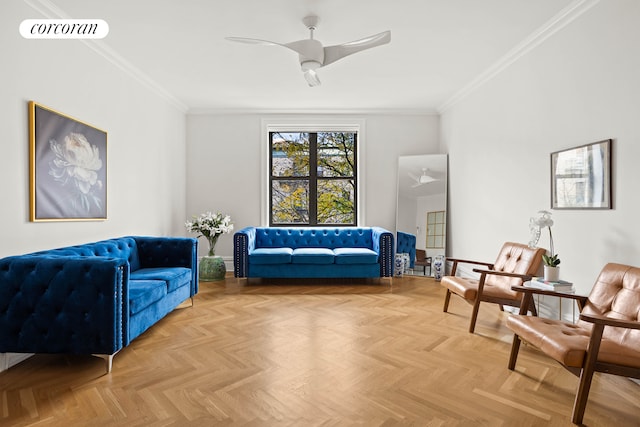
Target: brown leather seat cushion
[
  {"x": 466, "y": 288},
  {"x": 567, "y": 343}
]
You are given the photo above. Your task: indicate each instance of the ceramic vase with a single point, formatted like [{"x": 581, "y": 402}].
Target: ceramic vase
[
  {"x": 551, "y": 274},
  {"x": 407, "y": 262},
  {"x": 211, "y": 269},
  {"x": 438, "y": 267},
  {"x": 398, "y": 265}
]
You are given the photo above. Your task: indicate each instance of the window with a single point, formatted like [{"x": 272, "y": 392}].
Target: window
[
  {"x": 313, "y": 178},
  {"x": 436, "y": 229}
]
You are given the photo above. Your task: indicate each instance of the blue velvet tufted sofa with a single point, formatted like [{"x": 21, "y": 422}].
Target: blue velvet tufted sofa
[
  {"x": 93, "y": 298},
  {"x": 309, "y": 252}
]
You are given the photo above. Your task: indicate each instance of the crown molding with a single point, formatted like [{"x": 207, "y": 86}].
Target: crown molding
[
  {"x": 51, "y": 11},
  {"x": 313, "y": 111},
  {"x": 555, "y": 24}
]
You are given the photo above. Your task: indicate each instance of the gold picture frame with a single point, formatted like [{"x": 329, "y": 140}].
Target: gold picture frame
[{"x": 67, "y": 167}]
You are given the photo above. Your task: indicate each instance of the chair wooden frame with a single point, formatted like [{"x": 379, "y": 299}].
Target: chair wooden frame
[
  {"x": 423, "y": 260},
  {"x": 591, "y": 363},
  {"x": 482, "y": 297}
]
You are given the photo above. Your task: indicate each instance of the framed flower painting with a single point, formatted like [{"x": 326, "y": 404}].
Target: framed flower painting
[{"x": 68, "y": 167}]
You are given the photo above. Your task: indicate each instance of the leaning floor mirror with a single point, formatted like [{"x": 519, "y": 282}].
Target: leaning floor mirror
[{"x": 421, "y": 211}]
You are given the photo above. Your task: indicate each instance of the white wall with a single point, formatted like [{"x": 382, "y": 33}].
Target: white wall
[
  {"x": 226, "y": 167},
  {"x": 581, "y": 85},
  {"x": 146, "y": 139}
]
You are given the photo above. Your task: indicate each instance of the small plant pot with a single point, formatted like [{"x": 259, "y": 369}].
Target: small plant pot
[{"x": 551, "y": 274}]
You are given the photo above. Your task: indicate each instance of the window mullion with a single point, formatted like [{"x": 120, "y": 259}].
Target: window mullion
[{"x": 313, "y": 178}]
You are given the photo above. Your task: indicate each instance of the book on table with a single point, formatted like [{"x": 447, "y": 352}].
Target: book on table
[{"x": 555, "y": 285}]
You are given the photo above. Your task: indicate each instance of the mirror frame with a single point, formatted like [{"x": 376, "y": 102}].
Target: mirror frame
[{"x": 409, "y": 168}]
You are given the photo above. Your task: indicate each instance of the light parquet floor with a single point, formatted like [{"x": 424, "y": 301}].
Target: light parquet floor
[{"x": 343, "y": 353}]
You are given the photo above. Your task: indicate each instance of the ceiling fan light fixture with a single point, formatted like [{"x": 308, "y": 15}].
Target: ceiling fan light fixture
[
  {"x": 310, "y": 65},
  {"x": 425, "y": 179}
]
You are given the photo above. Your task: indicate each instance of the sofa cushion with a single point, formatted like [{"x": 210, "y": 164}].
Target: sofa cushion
[
  {"x": 174, "y": 277},
  {"x": 143, "y": 293},
  {"x": 355, "y": 256},
  {"x": 312, "y": 256},
  {"x": 270, "y": 256}
]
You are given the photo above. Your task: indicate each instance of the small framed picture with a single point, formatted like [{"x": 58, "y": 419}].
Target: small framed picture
[
  {"x": 68, "y": 167},
  {"x": 581, "y": 177}
]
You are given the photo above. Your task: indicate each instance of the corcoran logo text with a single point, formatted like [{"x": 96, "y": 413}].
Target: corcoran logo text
[{"x": 64, "y": 29}]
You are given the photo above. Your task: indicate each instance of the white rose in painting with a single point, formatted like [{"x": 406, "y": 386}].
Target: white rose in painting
[
  {"x": 77, "y": 162},
  {"x": 78, "y": 159}
]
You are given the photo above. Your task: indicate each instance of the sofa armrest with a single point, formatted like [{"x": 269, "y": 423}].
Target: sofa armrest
[
  {"x": 383, "y": 244},
  {"x": 52, "y": 304},
  {"x": 244, "y": 241},
  {"x": 169, "y": 252}
]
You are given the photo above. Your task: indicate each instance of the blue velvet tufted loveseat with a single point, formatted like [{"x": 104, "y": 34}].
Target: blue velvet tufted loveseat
[
  {"x": 93, "y": 298},
  {"x": 309, "y": 252}
]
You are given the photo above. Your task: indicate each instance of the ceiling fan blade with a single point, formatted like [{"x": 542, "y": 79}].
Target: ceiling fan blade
[
  {"x": 413, "y": 177},
  {"x": 312, "y": 78},
  {"x": 333, "y": 53},
  {"x": 252, "y": 41},
  {"x": 307, "y": 49},
  {"x": 417, "y": 184}
]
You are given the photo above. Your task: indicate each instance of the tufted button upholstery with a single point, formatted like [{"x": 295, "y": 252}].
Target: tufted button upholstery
[
  {"x": 310, "y": 237},
  {"x": 37, "y": 313}
]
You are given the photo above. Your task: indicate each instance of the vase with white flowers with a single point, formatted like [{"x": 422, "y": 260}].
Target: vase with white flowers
[
  {"x": 551, "y": 261},
  {"x": 211, "y": 226}
]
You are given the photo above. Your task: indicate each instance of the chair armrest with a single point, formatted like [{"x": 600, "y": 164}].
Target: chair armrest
[
  {"x": 528, "y": 293},
  {"x": 456, "y": 261},
  {"x": 524, "y": 277},
  {"x": 466, "y": 261},
  {"x": 530, "y": 290},
  {"x": 608, "y": 321}
]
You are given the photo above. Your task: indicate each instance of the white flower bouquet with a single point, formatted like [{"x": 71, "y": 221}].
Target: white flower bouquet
[{"x": 210, "y": 225}]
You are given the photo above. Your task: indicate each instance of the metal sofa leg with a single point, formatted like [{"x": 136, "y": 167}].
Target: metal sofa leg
[{"x": 108, "y": 358}]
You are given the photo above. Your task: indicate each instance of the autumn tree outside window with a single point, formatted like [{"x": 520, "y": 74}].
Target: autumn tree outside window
[{"x": 313, "y": 178}]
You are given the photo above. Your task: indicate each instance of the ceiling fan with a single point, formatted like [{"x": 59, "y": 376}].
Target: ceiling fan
[
  {"x": 313, "y": 55},
  {"x": 422, "y": 179}
]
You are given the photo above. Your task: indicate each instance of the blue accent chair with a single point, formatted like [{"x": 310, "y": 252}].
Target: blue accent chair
[{"x": 406, "y": 243}]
